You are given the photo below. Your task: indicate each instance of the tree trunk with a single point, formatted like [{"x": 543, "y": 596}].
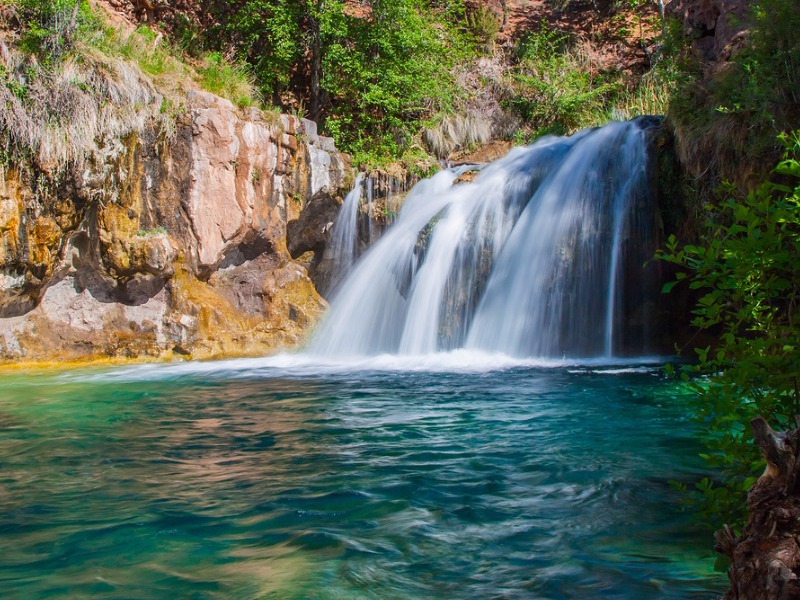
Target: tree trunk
[
  {"x": 765, "y": 558},
  {"x": 505, "y": 15}
]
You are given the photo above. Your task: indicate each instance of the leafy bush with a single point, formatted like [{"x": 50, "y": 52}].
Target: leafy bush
[
  {"x": 368, "y": 74},
  {"x": 748, "y": 271},
  {"x": 50, "y": 26},
  {"x": 484, "y": 25},
  {"x": 557, "y": 87},
  {"x": 384, "y": 77},
  {"x": 272, "y": 35}
]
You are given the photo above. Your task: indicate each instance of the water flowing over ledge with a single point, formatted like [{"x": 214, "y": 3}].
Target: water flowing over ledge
[
  {"x": 344, "y": 237},
  {"x": 540, "y": 256}
]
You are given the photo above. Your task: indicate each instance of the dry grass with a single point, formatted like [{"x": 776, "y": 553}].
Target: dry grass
[
  {"x": 457, "y": 132},
  {"x": 170, "y": 70},
  {"x": 78, "y": 109},
  {"x": 113, "y": 83},
  {"x": 650, "y": 97}
]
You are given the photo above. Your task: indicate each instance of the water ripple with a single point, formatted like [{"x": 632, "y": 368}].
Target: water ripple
[{"x": 520, "y": 483}]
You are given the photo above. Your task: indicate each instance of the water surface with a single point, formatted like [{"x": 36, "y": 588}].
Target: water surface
[{"x": 283, "y": 479}]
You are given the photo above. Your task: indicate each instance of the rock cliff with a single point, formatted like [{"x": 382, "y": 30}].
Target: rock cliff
[
  {"x": 717, "y": 27},
  {"x": 309, "y": 236},
  {"x": 170, "y": 243}
]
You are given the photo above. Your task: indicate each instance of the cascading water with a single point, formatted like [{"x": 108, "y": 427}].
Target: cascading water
[
  {"x": 530, "y": 259},
  {"x": 344, "y": 236}
]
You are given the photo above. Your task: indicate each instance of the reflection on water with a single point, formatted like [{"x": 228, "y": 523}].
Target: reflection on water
[{"x": 263, "y": 481}]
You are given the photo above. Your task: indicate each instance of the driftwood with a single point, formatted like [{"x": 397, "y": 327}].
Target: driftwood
[{"x": 765, "y": 558}]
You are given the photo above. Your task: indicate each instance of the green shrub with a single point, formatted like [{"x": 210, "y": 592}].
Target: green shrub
[
  {"x": 229, "y": 80},
  {"x": 369, "y": 79},
  {"x": 147, "y": 48},
  {"x": 484, "y": 25},
  {"x": 188, "y": 36},
  {"x": 727, "y": 123},
  {"x": 748, "y": 272},
  {"x": 557, "y": 87},
  {"x": 50, "y": 27}
]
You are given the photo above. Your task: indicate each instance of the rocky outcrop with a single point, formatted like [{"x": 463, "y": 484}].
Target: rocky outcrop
[
  {"x": 718, "y": 27},
  {"x": 173, "y": 243},
  {"x": 729, "y": 109},
  {"x": 309, "y": 236}
]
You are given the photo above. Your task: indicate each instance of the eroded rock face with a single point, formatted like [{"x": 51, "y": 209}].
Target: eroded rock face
[
  {"x": 310, "y": 232},
  {"x": 309, "y": 235},
  {"x": 167, "y": 245},
  {"x": 717, "y": 26}
]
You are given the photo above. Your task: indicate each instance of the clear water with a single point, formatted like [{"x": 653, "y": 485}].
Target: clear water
[{"x": 287, "y": 478}]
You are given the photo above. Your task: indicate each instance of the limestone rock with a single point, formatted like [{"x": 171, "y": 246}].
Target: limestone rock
[
  {"x": 166, "y": 248},
  {"x": 311, "y": 231},
  {"x": 717, "y": 26}
]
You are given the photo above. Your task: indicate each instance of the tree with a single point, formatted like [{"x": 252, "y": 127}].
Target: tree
[
  {"x": 389, "y": 71},
  {"x": 378, "y": 70},
  {"x": 269, "y": 34}
]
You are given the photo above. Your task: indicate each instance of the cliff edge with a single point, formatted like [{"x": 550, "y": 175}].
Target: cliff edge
[{"x": 138, "y": 221}]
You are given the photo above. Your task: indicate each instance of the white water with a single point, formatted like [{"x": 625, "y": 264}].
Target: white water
[
  {"x": 305, "y": 365},
  {"x": 526, "y": 260},
  {"x": 344, "y": 236}
]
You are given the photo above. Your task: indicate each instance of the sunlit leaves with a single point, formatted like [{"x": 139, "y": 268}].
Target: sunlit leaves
[{"x": 368, "y": 73}]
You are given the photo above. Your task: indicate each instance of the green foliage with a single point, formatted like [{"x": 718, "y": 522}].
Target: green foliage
[
  {"x": 61, "y": 101},
  {"x": 672, "y": 69},
  {"x": 385, "y": 79},
  {"x": 146, "y": 48},
  {"x": 765, "y": 80},
  {"x": 557, "y": 88},
  {"x": 269, "y": 34},
  {"x": 483, "y": 24},
  {"x": 166, "y": 64},
  {"x": 187, "y": 36},
  {"x": 232, "y": 81},
  {"x": 15, "y": 85},
  {"x": 368, "y": 78},
  {"x": 152, "y": 232},
  {"x": 50, "y": 27},
  {"x": 748, "y": 271}
]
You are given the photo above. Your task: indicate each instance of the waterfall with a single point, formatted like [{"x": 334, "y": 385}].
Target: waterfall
[
  {"x": 536, "y": 257},
  {"x": 344, "y": 236}
]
